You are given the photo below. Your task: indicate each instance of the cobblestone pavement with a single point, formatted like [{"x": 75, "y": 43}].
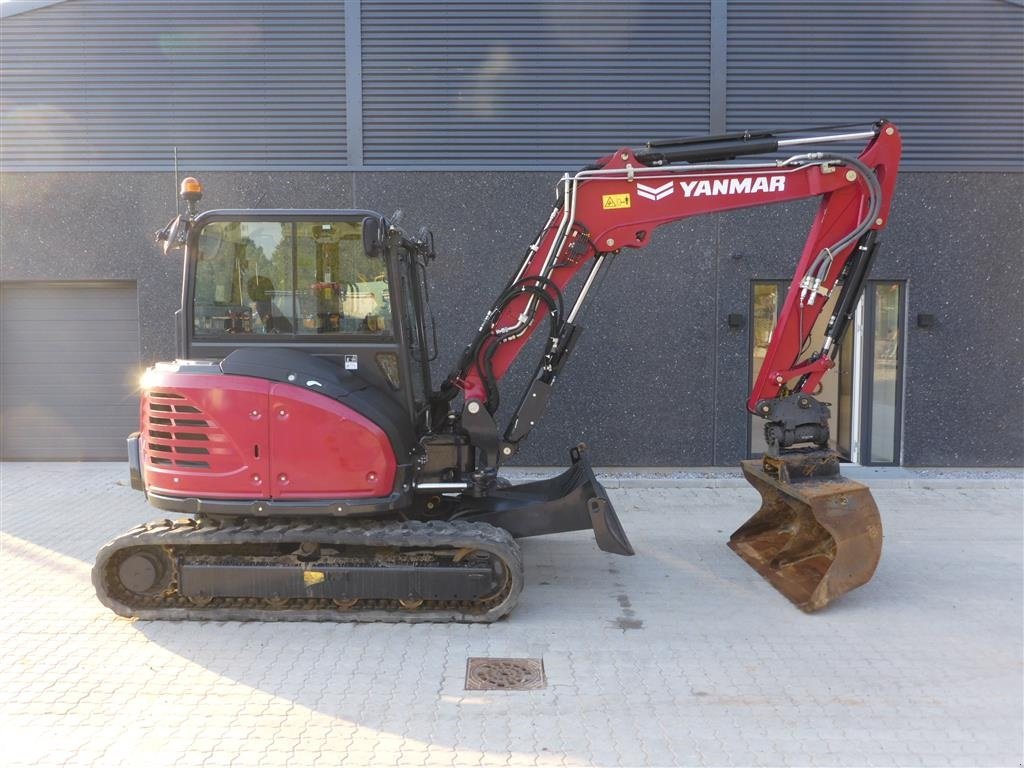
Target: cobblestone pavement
[{"x": 678, "y": 656}]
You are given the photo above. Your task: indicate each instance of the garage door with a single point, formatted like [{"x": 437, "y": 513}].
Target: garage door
[{"x": 69, "y": 368}]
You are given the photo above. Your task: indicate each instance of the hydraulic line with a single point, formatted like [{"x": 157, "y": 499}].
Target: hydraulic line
[
  {"x": 488, "y": 339},
  {"x": 543, "y": 290},
  {"x": 499, "y": 336},
  {"x": 818, "y": 270}
]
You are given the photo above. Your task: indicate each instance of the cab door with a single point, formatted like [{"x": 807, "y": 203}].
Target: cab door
[{"x": 296, "y": 279}]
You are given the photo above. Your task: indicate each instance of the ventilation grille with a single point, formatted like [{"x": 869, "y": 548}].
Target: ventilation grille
[{"x": 178, "y": 433}]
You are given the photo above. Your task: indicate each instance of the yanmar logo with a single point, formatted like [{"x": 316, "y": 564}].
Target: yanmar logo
[
  {"x": 747, "y": 185},
  {"x": 655, "y": 193}
]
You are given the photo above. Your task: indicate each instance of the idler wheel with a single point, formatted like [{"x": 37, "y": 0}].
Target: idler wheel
[
  {"x": 473, "y": 554},
  {"x": 144, "y": 573}
]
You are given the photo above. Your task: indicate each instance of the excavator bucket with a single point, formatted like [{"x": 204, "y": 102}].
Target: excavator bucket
[{"x": 817, "y": 534}]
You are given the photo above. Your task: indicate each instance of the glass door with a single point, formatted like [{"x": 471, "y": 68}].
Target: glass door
[
  {"x": 845, "y": 408},
  {"x": 883, "y": 372},
  {"x": 766, "y": 301}
]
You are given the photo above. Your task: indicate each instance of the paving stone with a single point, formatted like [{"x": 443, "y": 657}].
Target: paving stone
[{"x": 920, "y": 667}]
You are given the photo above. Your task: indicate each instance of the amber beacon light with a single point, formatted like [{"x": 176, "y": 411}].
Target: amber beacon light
[{"x": 191, "y": 189}]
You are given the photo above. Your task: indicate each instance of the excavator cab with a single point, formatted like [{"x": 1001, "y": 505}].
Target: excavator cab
[{"x": 313, "y": 281}]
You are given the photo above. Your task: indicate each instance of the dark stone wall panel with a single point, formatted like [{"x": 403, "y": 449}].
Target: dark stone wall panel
[
  {"x": 658, "y": 378},
  {"x": 958, "y": 240}
]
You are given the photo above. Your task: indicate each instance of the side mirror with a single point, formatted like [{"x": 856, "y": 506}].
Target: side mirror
[
  {"x": 373, "y": 237},
  {"x": 426, "y": 240},
  {"x": 174, "y": 235}
]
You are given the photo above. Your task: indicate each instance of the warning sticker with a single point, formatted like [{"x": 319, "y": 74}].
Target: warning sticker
[
  {"x": 615, "y": 201},
  {"x": 309, "y": 578}
]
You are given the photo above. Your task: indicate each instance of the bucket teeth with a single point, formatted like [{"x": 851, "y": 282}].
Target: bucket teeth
[{"x": 815, "y": 537}]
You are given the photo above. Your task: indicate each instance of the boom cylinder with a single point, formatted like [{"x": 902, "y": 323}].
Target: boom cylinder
[{"x": 853, "y": 288}]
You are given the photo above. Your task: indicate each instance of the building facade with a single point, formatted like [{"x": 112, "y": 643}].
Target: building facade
[{"x": 464, "y": 115}]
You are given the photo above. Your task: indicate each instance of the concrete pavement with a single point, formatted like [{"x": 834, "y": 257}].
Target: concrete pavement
[{"x": 678, "y": 656}]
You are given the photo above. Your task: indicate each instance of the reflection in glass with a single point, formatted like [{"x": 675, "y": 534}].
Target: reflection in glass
[
  {"x": 885, "y": 355},
  {"x": 340, "y": 288},
  {"x": 244, "y": 280},
  {"x": 844, "y": 404},
  {"x": 765, "y": 316}
]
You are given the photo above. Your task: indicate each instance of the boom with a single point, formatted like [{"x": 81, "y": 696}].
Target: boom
[{"x": 620, "y": 201}]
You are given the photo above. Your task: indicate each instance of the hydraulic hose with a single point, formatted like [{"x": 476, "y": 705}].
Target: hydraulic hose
[
  {"x": 818, "y": 270},
  {"x": 485, "y": 352}
]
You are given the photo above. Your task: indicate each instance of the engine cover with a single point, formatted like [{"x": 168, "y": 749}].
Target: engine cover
[{"x": 207, "y": 434}]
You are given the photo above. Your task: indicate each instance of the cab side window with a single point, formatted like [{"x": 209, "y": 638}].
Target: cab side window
[
  {"x": 244, "y": 279},
  {"x": 339, "y": 288}
]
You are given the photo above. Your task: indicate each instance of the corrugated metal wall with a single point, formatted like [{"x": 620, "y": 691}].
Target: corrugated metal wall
[
  {"x": 537, "y": 84},
  {"x": 476, "y": 83},
  {"x": 950, "y": 74},
  {"x": 100, "y": 85}
]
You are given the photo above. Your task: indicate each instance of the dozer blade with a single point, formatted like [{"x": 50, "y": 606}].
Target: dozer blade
[
  {"x": 817, "y": 534},
  {"x": 571, "y": 501}
]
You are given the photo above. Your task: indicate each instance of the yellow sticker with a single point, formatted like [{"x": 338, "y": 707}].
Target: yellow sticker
[
  {"x": 309, "y": 578},
  {"x": 615, "y": 201}
]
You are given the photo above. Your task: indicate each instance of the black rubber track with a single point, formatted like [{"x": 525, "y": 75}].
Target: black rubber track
[{"x": 189, "y": 536}]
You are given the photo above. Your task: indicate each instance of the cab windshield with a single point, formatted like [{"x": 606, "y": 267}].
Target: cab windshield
[{"x": 304, "y": 278}]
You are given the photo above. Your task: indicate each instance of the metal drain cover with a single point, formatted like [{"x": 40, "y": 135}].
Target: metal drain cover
[{"x": 484, "y": 674}]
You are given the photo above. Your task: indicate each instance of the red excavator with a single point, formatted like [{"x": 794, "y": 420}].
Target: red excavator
[{"x": 318, "y": 473}]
